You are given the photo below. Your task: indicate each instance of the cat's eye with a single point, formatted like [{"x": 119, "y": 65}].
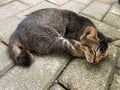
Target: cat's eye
[{"x": 102, "y": 46}]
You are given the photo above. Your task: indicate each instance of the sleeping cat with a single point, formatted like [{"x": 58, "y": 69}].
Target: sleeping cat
[{"x": 57, "y": 31}]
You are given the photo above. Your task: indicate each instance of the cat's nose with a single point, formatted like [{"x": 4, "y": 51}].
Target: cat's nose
[{"x": 97, "y": 60}]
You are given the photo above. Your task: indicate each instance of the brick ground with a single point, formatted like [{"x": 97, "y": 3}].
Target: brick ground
[{"x": 54, "y": 72}]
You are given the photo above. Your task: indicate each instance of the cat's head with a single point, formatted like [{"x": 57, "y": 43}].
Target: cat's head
[{"x": 93, "y": 47}]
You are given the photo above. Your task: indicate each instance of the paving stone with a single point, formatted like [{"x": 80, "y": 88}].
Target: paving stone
[
  {"x": 73, "y": 6},
  {"x": 84, "y": 1},
  {"x": 107, "y": 1},
  {"x": 37, "y": 77},
  {"x": 57, "y": 87},
  {"x": 5, "y": 62},
  {"x": 106, "y": 29},
  {"x": 11, "y": 9},
  {"x": 80, "y": 75},
  {"x": 31, "y": 2},
  {"x": 96, "y": 10},
  {"x": 118, "y": 68},
  {"x": 109, "y": 30},
  {"x": 4, "y": 1},
  {"x": 37, "y": 7},
  {"x": 116, "y": 83},
  {"x": 112, "y": 19},
  {"x": 58, "y": 2},
  {"x": 118, "y": 64},
  {"x": 7, "y": 26},
  {"x": 115, "y": 9}
]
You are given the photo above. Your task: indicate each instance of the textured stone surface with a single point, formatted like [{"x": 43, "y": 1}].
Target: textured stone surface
[
  {"x": 57, "y": 87},
  {"x": 84, "y": 1},
  {"x": 4, "y": 1},
  {"x": 5, "y": 62},
  {"x": 107, "y": 1},
  {"x": 7, "y": 26},
  {"x": 37, "y": 77},
  {"x": 80, "y": 75},
  {"x": 107, "y": 29},
  {"x": 31, "y": 2},
  {"x": 96, "y": 10},
  {"x": 116, "y": 83},
  {"x": 37, "y": 7},
  {"x": 73, "y": 6},
  {"x": 11, "y": 9},
  {"x": 118, "y": 64},
  {"x": 115, "y": 9},
  {"x": 112, "y": 19},
  {"x": 58, "y": 2}
]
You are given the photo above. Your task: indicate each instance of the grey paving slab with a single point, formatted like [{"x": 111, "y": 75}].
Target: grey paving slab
[
  {"x": 80, "y": 75},
  {"x": 11, "y": 9},
  {"x": 118, "y": 63},
  {"x": 7, "y": 26},
  {"x": 31, "y": 2},
  {"x": 115, "y": 9},
  {"x": 96, "y": 10},
  {"x": 106, "y": 29},
  {"x": 37, "y": 77},
  {"x": 4, "y": 1},
  {"x": 73, "y": 6},
  {"x": 107, "y": 1},
  {"x": 58, "y": 2},
  {"x": 5, "y": 62},
  {"x": 116, "y": 83},
  {"x": 37, "y": 7},
  {"x": 84, "y": 1},
  {"x": 112, "y": 19},
  {"x": 56, "y": 87},
  {"x": 109, "y": 30}
]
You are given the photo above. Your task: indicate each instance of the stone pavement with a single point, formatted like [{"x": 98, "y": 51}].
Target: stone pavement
[{"x": 61, "y": 72}]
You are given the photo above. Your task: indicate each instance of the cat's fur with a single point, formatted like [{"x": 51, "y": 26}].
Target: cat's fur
[{"x": 57, "y": 31}]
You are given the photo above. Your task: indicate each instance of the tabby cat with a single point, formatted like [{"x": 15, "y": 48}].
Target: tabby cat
[{"x": 52, "y": 30}]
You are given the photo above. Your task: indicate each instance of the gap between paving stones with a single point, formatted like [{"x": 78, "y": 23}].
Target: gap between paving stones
[
  {"x": 106, "y": 13},
  {"x": 109, "y": 80},
  {"x": 85, "y": 7},
  {"x": 24, "y": 9},
  {"x": 9, "y": 67},
  {"x": 6, "y": 3},
  {"x": 57, "y": 4},
  {"x": 23, "y": 3},
  {"x": 56, "y": 80},
  {"x": 111, "y": 77},
  {"x": 114, "y": 72}
]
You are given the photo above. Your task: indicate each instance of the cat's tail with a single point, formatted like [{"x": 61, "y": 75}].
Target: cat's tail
[{"x": 18, "y": 54}]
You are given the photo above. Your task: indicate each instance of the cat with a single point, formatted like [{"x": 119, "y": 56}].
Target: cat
[{"x": 59, "y": 31}]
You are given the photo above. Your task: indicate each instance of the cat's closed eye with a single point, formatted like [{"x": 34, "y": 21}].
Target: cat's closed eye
[{"x": 102, "y": 46}]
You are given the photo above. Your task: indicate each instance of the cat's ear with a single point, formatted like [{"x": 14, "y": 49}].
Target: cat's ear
[
  {"x": 90, "y": 32},
  {"x": 112, "y": 40}
]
